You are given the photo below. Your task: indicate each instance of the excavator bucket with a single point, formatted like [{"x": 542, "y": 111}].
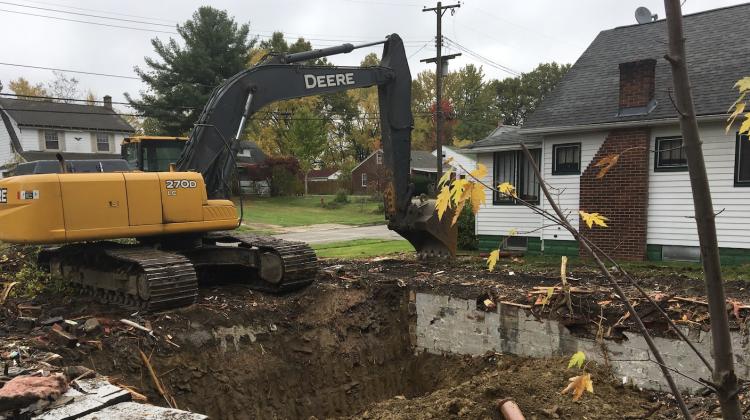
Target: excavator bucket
[{"x": 430, "y": 237}]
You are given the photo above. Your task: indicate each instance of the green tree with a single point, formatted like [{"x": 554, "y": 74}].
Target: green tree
[
  {"x": 307, "y": 137},
  {"x": 181, "y": 80},
  {"x": 517, "y": 97}
]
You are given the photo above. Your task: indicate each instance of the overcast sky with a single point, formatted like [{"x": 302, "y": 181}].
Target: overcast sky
[{"x": 516, "y": 34}]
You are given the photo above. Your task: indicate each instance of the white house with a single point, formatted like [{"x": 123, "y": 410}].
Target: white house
[
  {"x": 38, "y": 130},
  {"x": 458, "y": 160},
  {"x": 615, "y": 100}
]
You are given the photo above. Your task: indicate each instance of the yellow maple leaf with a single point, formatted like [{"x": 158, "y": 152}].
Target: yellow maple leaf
[
  {"x": 548, "y": 296},
  {"x": 743, "y": 84},
  {"x": 606, "y": 163},
  {"x": 477, "y": 197},
  {"x": 507, "y": 188},
  {"x": 513, "y": 232},
  {"x": 578, "y": 384},
  {"x": 739, "y": 108},
  {"x": 459, "y": 209},
  {"x": 458, "y": 189},
  {"x": 492, "y": 259},
  {"x": 479, "y": 173},
  {"x": 577, "y": 360},
  {"x": 592, "y": 219},
  {"x": 445, "y": 178},
  {"x": 745, "y": 127},
  {"x": 442, "y": 202}
]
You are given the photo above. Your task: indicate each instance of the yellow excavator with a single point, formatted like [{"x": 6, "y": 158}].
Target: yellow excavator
[{"x": 182, "y": 221}]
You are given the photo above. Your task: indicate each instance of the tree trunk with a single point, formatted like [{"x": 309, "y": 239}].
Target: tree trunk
[
  {"x": 724, "y": 377},
  {"x": 306, "y": 172}
]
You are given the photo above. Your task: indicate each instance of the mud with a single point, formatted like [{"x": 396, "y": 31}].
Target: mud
[{"x": 341, "y": 348}]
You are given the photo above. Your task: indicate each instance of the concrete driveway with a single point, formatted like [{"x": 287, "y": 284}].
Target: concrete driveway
[{"x": 336, "y": 233}]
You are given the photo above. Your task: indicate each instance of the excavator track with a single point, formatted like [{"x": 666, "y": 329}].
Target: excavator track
[
  {"x": 298, "y": 264},
  {"x": 136, "y": 277}
]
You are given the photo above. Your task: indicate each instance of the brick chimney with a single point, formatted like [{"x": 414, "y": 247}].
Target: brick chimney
[
  {"x": 107, "y": 101},
  {"x": 637, "y": 83}
]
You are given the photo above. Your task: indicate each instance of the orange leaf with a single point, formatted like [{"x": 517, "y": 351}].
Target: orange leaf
[
  {"x": 578, "y": 384},
  {"x": 606, "y": 163}
]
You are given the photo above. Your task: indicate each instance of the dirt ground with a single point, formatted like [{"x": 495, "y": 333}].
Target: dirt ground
[{"x": 341, "y": 348}]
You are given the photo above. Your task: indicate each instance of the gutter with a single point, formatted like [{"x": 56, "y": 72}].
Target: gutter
[
  {"x": 499, "y": 148},
  {"x": 619, "y": 124}
]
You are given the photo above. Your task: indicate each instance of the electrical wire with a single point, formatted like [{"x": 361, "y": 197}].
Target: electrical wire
[
  {"x": 70, "y": 71},
  {"x": 85, "y": 14},
  {"x": 88, "y": 22},
  {"x": 484, "y": 59},
  {"x": 100, "y": 11}
]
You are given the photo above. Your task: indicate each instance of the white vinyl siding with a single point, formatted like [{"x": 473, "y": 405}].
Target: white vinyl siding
[
  {"x": 500, "y": 219},
  {"x": 670, "y": 207},
  {"x": 6, "y": 156},
  {"x": 566, "y": 188}
]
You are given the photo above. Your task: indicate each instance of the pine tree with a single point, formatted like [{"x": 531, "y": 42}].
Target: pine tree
[{"x": 180, "y": 82}]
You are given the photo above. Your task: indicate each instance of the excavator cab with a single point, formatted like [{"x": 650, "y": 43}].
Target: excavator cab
[{"x": 152, "y": 153}]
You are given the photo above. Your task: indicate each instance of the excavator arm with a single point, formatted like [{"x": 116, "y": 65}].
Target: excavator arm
[{"x": 212, "y": 144}]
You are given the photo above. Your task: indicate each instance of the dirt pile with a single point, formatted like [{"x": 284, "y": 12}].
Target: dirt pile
[{"x": 339, "y": 348}]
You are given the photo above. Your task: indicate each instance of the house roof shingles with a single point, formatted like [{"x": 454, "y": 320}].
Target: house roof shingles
[
  {"x": 505, "y": 135},
  {"x": 62, "y": 115},
  {"x": 423, "y": 161},
  {"x": 589, "y": 92}
]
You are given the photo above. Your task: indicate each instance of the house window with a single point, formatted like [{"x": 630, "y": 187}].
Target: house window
[
  {"x": 670, "y": 154},
  {"x": 742, "y": 162},
  {"x": 513, "y": 167},
  {"x": 566, "y": 159},
  {"x": 102, "y": 142},
  {"x": 51, "y": 141},
  {"x": 379, "y": 158},
  {"x": 364, "y": 179}
]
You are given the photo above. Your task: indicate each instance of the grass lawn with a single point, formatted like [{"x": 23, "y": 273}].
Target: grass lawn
[
  {"x": 691, "y": 270},
  {"x": 361, "y": 248},
  {"x": 302, "y": 211}
]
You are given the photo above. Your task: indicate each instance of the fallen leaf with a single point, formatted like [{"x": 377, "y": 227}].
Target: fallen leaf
[
  {"x": 492, "y": 259},
  {"x": 508, "y": 189},
  {"x": 577, "y": 360},
  {"x": 578, "y": 384}
]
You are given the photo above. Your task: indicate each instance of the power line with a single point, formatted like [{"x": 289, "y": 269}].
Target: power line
[
  {"x": 484, "y": 59},
  {"x": 100, "y": 11},
  {"x": 86, "y": 14},
  {"x": 70, "y": 71},
  {"x": 88, "y": 22}
]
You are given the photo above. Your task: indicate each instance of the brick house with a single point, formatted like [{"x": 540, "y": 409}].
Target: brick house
[
  {"x": 615, "y": 99},
  {"x": 38, "y": 130}
]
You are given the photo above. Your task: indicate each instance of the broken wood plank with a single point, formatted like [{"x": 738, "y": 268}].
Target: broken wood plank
[{"x": 518, "y": 305}]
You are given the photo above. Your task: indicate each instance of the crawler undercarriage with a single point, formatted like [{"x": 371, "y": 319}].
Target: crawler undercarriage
[{"x": 152, "y": 276}]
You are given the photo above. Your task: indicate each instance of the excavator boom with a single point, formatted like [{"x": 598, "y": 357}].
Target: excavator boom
[{"x": 212, "y": 143}]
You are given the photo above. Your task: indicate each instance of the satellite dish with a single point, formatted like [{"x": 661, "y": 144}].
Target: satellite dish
[{"x": 643, "y": 15}]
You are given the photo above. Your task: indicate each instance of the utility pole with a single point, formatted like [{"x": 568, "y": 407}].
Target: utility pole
[{"x": 439, "y": 60}]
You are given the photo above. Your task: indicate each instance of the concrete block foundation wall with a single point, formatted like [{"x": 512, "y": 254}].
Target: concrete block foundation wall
[{"x": 450, "y": 325}]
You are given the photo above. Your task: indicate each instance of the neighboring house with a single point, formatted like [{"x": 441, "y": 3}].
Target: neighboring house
[
  {"x": 38, "y": 130},
  {"x": 370, "y": 175},
  {"x": 323, "y": 181},
  {"x": 615, "y": 100},
  {"x": 323, "y": 175},
  {"x": 249, "y": 160},
  {"x": 458, "y": 161}
]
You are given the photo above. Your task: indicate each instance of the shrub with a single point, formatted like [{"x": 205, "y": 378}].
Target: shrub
[
  {"x": 342, "y": 197},
  {"x": 285, "y": 182},
  {"x": 467, "y": 238}
]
